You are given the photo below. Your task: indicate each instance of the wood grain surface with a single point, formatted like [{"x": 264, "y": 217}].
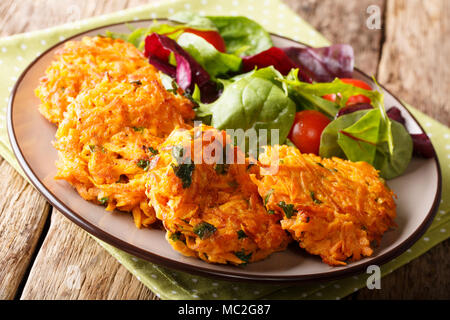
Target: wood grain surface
[{"x": 42, "y": 254}]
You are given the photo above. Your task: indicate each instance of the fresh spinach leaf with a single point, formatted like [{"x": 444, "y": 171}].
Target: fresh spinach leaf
[
  {"x": 242, "y": 36},
  {"x": 360, "y": 145},
  {"x": 359, "y": 141},
  {"x": 193, "y": 20},
  {"x": 393, "y": 165}
]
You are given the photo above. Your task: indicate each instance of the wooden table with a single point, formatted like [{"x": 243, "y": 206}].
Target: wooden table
[{"x": 41, "y": 250}]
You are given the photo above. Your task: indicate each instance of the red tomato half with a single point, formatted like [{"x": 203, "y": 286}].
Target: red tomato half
[
  {"x": 213, "y": 37},
  {"x": 307, "y": 129},
  {"x": 353, "y": 99}
]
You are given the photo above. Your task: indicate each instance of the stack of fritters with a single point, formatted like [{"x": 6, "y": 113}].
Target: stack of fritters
[
  {"x": 211, "y": 209},
  {"x": 126, "y": 142},
  {"x": 112, "y": 115}
]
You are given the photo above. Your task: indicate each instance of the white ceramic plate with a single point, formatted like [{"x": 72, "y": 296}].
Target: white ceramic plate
[{"x": 418, "y": 192}]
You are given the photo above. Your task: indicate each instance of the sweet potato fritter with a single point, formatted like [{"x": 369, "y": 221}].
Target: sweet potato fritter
[
  {"x": 81, "y": 65},
  {"x": 334, "y": 208},
  {"x": 210, "y": 210},
  {"x": 111, "y": 133}
]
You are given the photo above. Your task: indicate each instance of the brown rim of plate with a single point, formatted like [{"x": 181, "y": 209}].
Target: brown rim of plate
[{"x": 205, "y": 271}]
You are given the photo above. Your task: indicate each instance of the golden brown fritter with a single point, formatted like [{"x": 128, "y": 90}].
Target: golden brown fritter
[
  {"x": 210, "y": 210},
  {"x": 111, "y": 133},
  {"x": 81, "y": 65},
  {"x": 333, "y": 207}
]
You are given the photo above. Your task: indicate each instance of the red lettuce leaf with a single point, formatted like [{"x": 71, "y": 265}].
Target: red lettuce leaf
[
  {"x": 394, "y": 113},
  {"x": 314, "y": 64},
  {"x": 324, "y": 64},
  {"x": 422, "y": 146},
  {"x": 187, "y": 73},
  {"x": 277, "y": 58},
  {"x": 271, "y": 57}
]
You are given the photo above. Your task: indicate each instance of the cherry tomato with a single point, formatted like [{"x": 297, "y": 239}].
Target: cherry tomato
[
  {"x": 358, "y": 98},
  {"x": 213, "y": 37},
  {"x": 307, "y": 129},
  {"x": 353, "y": 99},
  {"x": 330, "y": 97}
]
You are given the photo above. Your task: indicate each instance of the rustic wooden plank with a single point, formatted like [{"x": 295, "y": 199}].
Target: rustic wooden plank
[
  {"x": 58, "y": 255},
  {"x": 31, "y": 15},
  {"x": 411, "y": 65},
  {"x": 414, "y": 62},
  {"x": 23, "y": 212},
  {"x": 343, "y": 21},
  {"x": 71, "y": 265}
]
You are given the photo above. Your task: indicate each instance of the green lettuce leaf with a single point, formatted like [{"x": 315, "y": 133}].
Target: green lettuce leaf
[{"x": 251, "y": 102}]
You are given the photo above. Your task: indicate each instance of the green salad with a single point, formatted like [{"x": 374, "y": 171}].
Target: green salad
[{"x": 230, "y": 68}]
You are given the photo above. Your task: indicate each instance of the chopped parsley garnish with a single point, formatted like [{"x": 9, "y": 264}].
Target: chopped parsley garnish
[
  {"x": 183, "y": 169},
  {"x": 204, "y": 230},
  {"x": 288, "y": 209},
  {"x": 136, "y": 82},
  {"x": 244, "y": 257},
  {"x": 314, "y": 199},
  {"x": 103, "y": 200},
  {"x": 144, "y": 164},
  {"x": 175, "y": 236},
  {"x": 221, "y": 168},
  {"x": 174, "y": 88},
  {"x": 321, "y": 165},
  {"x": 241, "y": 234},
  {"x": 184, "y": 172},
  {"x": 271, "y": 212},
  {"x": 267, "y": 197},
  {"x": 139, "y": 129},
  {"x": 152, "y": 150},
  {"x": 92, "y": 148},
  {"x": 233, "y": 184}
]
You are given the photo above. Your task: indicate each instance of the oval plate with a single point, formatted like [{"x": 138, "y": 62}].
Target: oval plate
[{"x": 31, "y": 136}]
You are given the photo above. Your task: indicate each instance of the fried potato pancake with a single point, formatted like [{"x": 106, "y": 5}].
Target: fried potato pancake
[
  {"x": 333, "y": 207},
  {"x": 80, "y": 65},
  {"x": 211, "y": 210},
  {"x": 111, "y": 133}
]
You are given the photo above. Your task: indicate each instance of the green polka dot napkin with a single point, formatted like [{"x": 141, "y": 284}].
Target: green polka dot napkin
[{"x": 19, "y": 50}]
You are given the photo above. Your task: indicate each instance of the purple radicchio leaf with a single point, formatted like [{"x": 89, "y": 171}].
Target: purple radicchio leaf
[
  {"x": 324, "y": 64},
  {"x": 187, "y": 73},
  {"x": 394, "y": 113},
  {"x": 422, "y": 146}
]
